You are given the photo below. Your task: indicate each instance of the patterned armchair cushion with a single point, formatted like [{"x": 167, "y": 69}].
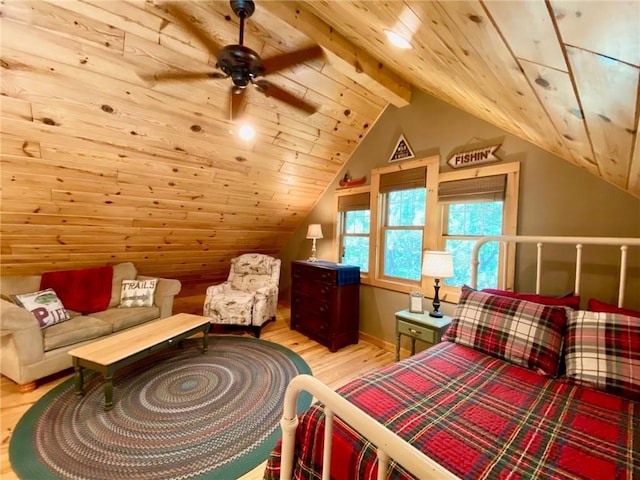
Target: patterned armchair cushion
[
  {"x": 252, "y": 263},
  {"x": 233, "y": 308},
  {"x": 249, "y": 283},
  {"x": 252, "y": 271}
]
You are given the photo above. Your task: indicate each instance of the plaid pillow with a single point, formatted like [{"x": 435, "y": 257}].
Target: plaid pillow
[
  {"x": 525, "y": 333},
  {"x": 603, "y": 351}
]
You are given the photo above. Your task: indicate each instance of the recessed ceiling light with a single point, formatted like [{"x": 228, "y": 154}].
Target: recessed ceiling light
[
  {"x": 246, "y": 132},
  {"x": 398, "y": 40}
]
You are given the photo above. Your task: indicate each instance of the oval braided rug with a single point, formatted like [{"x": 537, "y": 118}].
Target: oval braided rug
[{"x": 177, "y": 414}]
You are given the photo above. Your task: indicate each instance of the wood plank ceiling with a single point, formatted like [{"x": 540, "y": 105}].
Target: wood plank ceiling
[{"x": 102, "y": 164}]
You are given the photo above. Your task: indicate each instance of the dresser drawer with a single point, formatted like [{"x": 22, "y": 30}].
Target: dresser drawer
[
  {"x": 312, "y": 323},
  {"x": 313, "y": 289},
  {"x": 304, "y": 273},
  {"x": 423, "y": 333},
  {"x": 312, "y": 305}
]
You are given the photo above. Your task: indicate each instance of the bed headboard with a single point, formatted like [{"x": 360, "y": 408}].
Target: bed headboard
[{"x": 622, "y": 243}]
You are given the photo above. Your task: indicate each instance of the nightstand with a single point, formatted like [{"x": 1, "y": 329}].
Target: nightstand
[{"x": 419, "y": 326}]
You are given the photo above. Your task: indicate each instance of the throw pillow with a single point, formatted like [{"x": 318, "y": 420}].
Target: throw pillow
[
  {"x": 601, "y": 351},
  {"x": 137, "y": 293},
  {"x": 44, "y": 305},
  {"x": 598, "y": 306},
  {"x": 571, "y": 301},
  {"x": 524, "y": 333},
  {"x": 121, "y": 271}
]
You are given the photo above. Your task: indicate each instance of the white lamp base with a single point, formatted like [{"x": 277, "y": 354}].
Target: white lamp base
[{"x": 313, "y": 258}]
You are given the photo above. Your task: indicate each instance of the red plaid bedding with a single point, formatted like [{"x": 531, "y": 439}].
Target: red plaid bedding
[{"x": 479, "y": 417}]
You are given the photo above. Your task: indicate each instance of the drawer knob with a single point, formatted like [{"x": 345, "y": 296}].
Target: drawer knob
[{"x": 414, "y": 331}]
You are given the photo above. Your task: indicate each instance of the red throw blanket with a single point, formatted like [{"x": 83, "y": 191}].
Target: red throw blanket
[{"x": 85, "y": 291}]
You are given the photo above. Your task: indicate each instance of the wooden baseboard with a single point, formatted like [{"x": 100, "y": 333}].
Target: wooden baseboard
[{"x": 388, "y": 346}]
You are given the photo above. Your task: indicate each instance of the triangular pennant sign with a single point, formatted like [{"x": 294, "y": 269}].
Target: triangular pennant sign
[{"x": 402, "y": 151}]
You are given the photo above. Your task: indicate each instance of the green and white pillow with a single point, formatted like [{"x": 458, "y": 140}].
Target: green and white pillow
[
  {"x": 44, "y": 305},
  {"x": 137, "y": 293}
]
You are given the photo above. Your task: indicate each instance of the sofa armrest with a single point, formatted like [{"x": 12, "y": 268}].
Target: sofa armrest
[
  {"x": 25, "y": 330},
  {"x": 14, "y": 318},
  {"x": 166, "y": 290}
]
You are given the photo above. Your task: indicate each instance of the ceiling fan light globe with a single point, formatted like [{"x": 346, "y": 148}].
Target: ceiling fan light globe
[{"x": 240, "y": 78}]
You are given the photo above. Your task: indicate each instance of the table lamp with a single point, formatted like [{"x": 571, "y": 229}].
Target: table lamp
[
  {"x": 314, "y": 232},
  {"x": 438, "y": 265}
]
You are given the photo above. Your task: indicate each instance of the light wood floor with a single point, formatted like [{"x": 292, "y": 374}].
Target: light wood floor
[{"x": 334, "y": 369}]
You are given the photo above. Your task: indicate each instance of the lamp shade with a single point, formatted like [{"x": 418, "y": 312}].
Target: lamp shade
[
  {"x": 314, "y": 231},
  {"x": 437, "y": 264}
]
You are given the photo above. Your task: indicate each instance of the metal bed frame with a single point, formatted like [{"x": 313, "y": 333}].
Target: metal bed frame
[{"x": 388, "y": 444}]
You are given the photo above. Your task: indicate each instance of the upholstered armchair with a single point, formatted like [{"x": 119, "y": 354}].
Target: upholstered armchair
[{"x": 249, "y": 297}]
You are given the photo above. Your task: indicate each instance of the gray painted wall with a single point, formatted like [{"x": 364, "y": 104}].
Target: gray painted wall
[{"x": 556, "y": 198}]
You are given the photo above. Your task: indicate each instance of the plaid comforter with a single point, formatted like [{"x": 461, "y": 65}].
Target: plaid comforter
[{"x": 481, "y": 418}]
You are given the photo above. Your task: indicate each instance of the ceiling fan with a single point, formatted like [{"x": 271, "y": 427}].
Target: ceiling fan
[{"x": 242, "y": 64}]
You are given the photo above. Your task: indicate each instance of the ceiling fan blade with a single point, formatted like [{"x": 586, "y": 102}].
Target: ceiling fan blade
[
  {"x": 271, "y": 90},
  {"x": 183, "y": 76},
  {"x": 237, "y": 102},
  {"x": 188, "y": 22},
  {"x": 280, "y": 62}
]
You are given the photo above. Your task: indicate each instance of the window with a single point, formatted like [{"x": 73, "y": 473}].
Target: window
[
  {"x": 399, "y": 222},
  {"x": 411, "y": 206},
  {"x": 473, "y": 207},
  {"x": 403, "y": 227},
  {"x": 354, "y": 220}
]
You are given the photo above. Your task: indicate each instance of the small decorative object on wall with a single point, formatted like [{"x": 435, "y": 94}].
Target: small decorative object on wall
[
  {"x": 415, "y": 302},
  {"x": 314, "y": 232},
  {"x": 470, "y": 157},
  {"x": 347, "y": 181},
  {"x": 438, "y": 265},
  {"x": 402, "y": 151}
]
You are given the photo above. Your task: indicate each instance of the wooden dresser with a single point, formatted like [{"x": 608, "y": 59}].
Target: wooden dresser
[{"x": 325, "y": 302}]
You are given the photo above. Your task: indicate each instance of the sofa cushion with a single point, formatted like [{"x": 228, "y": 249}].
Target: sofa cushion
[
  {"x": 44, "y": 305},
  {"x": 121, "y": 318},
  {"x": 122, "y": 271},
  {"x": 78, "y": 329}
]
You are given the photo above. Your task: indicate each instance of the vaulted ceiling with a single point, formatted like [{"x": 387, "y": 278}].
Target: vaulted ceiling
[{"x": 105, "y": 160}]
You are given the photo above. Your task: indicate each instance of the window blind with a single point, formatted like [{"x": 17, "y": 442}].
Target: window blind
[
  {"x": 479, "y": 189},
  {"x": 357, "y": 201},
  {"x": 403, "y": 179}
]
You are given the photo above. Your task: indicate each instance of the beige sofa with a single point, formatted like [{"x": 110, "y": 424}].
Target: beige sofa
[{"x": 29, "y": 353}]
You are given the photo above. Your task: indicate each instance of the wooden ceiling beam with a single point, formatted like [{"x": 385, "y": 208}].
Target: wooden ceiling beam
[{"x": 344, "y": 56}]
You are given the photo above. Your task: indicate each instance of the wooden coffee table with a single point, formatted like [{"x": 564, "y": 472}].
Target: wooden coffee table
[{"x": 119, "y": 350}]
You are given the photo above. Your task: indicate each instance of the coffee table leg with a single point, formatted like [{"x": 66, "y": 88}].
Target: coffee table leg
[
  {"x": 108, "y": 392},
  {"x": 205, "y": 338},
  {"x": 79, "y": 376}
]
